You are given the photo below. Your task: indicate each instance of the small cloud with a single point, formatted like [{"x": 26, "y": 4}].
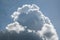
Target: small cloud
[{"x": 15, "y": 27}]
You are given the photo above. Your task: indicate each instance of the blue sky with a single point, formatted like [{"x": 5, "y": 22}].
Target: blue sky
[{"x": 50, "y": 8}]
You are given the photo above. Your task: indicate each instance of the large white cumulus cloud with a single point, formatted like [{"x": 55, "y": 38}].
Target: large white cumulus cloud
[{"x": 30, "y": 18}]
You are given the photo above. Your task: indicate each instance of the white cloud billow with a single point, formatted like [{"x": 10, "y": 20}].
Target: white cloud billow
[
  {"x": 31, "y": 18},
  {"x": 15, "y": 27}
]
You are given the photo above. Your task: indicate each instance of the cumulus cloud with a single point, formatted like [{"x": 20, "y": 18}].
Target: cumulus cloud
[
  {"x": 48, "y": 32},
  {"x": 15, "y": 27},
  {"x": 29, "y": 18}
]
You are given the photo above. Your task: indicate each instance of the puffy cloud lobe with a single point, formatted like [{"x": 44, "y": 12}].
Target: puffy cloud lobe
[
  {"x": 48, "y": 32},
  {"x": 15, "y": 27},
  {"x": 30, "y": 18}
]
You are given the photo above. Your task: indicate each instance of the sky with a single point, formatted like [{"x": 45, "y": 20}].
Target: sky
[{"x": 49, "y": 8}]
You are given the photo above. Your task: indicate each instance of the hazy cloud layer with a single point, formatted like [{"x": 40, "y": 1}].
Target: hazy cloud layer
[{"x": 29, "y": 19}]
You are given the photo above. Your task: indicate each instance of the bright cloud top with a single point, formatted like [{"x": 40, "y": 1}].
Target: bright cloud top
[{"x": 30, "y": 18}]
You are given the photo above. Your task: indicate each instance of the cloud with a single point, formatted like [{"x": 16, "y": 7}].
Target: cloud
[
  {"x": 29, "y": 18},
  {"x": 48, "y": 32},
  {"x": 21, "y": 36},
  {"x": 15, "y": 27}
]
